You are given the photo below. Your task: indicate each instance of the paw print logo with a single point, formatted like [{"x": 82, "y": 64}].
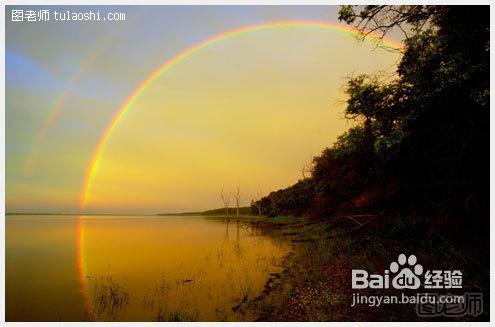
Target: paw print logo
[{"x": 407, "y": 277}]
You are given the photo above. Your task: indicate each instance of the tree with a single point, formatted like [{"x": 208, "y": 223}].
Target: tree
[
  {"x": 225, "y": 196},
  {"x": 306, "y": 169},
  {"x": 419, "y": 141},
  {"x": 381, "y": 19},
  {"x": 237, "y": 197},
  {"x": 257, "y": 202}
]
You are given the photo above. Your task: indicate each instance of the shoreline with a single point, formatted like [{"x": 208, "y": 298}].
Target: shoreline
[{"x": 314, "y": 283}]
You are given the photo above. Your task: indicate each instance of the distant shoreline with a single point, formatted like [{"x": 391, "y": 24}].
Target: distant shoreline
[
  {"x": 244, "y": 211},
  {"x": 70, "y": 214}
]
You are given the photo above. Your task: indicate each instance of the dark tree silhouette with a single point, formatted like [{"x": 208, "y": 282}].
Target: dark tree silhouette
[{"x": 421, "y": 143}]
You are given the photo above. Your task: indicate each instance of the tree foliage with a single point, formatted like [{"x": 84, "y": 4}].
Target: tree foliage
[{"x": 420, "y": 141}]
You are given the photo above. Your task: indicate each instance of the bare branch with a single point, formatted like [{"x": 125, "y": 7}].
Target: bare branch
[
  {"x": 237, "y": 197},
  {"x": 226, "y": 201},
  {"x": 378, "y": 21}
]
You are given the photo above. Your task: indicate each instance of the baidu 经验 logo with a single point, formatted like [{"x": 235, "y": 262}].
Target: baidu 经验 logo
[{"x": 406, "y": 273}]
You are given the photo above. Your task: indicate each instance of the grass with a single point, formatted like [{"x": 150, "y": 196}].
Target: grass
[
  {"x": 177, "y": 315},
  {"x": 110, "y": 298}
]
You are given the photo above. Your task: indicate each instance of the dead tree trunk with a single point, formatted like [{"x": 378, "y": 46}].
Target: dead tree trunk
[
  {"x": 237, "y": 197},
  {"x": 226, "y": 201}
]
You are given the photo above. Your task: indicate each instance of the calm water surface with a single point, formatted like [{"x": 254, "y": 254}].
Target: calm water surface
[{"x": 139, "y": 268}]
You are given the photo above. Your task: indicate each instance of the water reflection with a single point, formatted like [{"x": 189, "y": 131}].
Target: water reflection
[
  {"x": 81, "y": 270},
  {"x": 140, "y": 268}
]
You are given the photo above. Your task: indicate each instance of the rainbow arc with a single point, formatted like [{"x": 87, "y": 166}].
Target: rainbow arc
[{"x": 124, "y": 108}]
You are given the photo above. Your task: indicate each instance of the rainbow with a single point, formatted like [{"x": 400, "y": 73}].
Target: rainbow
[
  {"x": 82, "y": 269},
  {"x": 55, "y": 110},
  {"x": 96, "y": 158},
  {"x": 58, "y": 104}
]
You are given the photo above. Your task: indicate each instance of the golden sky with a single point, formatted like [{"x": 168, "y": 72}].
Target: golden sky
[{"x": 248, "y": 111}]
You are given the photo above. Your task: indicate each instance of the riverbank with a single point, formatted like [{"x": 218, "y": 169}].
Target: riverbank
[
  {"x": 315, "y": 281},
  {"x": 314, "y": 284}
]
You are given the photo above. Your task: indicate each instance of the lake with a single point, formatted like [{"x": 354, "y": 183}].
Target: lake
[{"x": 134, "y": 268}]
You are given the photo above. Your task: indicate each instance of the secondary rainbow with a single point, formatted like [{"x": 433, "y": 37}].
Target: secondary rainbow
[
  {"x": 96, "y": 158},
  {"x": 54, "y": 113}
]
